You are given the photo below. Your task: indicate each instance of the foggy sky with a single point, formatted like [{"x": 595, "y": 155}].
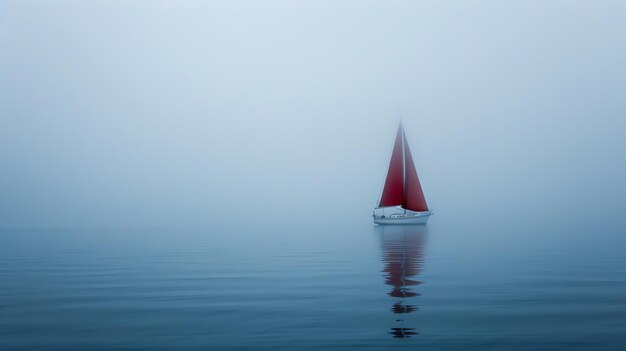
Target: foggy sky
[{"x": 153, "y": 113}]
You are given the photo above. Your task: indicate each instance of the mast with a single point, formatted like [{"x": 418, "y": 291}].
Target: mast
[{"x": 403, "y": 165}]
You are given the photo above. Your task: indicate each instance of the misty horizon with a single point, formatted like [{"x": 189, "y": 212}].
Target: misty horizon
[{"x": 184, "y": 113}]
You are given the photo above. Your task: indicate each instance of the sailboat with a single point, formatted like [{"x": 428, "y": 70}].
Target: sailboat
[{"x": 402, "y": 200}]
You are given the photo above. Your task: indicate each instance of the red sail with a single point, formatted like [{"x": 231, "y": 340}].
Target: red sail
[
  {"x": 393, "y": 193},
  {"x": 414, "y": 196}
]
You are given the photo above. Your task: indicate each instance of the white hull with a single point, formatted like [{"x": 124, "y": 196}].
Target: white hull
[{"x": 412, "y": 218}]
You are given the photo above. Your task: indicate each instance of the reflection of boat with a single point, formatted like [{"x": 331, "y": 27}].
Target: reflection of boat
[
  {"x": 402, "y": 191},
  {"x": 402, "y": 256},
  {"x": 402, "y": 332}
]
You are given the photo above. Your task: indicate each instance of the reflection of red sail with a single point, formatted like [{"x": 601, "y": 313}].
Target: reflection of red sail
[
  {"x": 393, "y": 193},
  {"x": 400, "y": 308},
  {"x": 402, "y": 258},
  {"x": 402, "y": 293}
]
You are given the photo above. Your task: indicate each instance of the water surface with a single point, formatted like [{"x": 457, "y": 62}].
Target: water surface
[{"x": 457, "y": 283}]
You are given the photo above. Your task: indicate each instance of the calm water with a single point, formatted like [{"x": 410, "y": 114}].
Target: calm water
[{"x": 458, "y": 283}]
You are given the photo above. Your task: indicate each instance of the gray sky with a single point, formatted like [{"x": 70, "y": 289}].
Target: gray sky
[{"x": 185, "y": 112}]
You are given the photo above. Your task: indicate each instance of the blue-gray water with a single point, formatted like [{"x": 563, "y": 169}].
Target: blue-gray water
[{"x": 459, "y": 283}]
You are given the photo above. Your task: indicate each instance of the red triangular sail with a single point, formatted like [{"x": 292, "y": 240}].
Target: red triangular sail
[
  {"x": 393, "y": 193},
  {"x": 414, "y": 196}
]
